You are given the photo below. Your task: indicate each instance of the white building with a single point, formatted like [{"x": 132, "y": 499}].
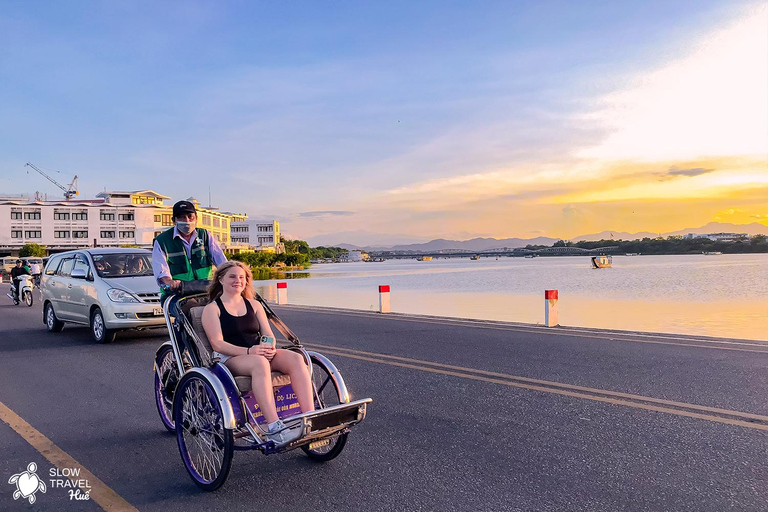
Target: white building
[
  {"x": 259, "y": 234},
  {"x": 719, "y": 237},
  {"x": 118, "y": 218},
  {"x": 352, "y": 256},
  {"x": 63, "y": 225}
]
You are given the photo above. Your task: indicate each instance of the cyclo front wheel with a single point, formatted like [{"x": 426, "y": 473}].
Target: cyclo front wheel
[
  {"x": 166, "y": 379},
  {"x": 327, "y": 395},
  {"x": 206, "y": 446}
]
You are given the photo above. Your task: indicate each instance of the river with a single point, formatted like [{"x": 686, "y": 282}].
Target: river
[{"x": 714, "y": 295}]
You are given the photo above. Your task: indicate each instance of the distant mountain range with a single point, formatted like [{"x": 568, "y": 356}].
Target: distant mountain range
[{"x": 483, "y": 244}]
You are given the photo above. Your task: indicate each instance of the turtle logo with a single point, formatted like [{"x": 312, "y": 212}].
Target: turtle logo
[{"x": 27, "y": 484}]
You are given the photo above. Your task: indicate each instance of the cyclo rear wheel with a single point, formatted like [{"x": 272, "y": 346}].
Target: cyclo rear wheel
[
  {"x": 328, "y": 395},
  {"x": 206, "y": 446},
  {"x": 165, "y": 386}
]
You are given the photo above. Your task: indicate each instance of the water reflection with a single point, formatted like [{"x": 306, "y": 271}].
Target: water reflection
[{"x": 724, "y": 296}]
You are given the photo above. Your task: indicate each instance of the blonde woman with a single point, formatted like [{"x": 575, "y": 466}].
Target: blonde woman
[{"x": 234, "y": 323}]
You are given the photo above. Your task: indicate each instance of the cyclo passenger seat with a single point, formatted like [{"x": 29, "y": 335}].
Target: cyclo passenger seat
[{"x": 206, "y": 353}]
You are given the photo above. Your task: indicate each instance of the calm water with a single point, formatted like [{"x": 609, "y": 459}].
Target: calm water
[{"x": 724, "y": 295}]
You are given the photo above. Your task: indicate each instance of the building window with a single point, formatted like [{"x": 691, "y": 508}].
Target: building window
[
  {"x": 167, "y": 219},
  {"x": 224, "y": 223},
  {"x": 33, "y": 234},
  {"x": 80, "y": 216},
  {"x": 32, "y": 215},
  {"x": 60, "y": 215},
  {"x": 107, "y": 216},
  {"x": 206, "y": 220},
  {"x": 107, "y": 234},
  {"x": 16, "y": 234},
  {"x": 15, "y": 215},
  {"x": 61, "y": 234},
  {"x": 158, "y": 218},
  {"x": 216, "y": 223},
  {"x": 125, "y": 216},
  {"x": 80, "y": 234},
  {"x": 126, "y": 234}
]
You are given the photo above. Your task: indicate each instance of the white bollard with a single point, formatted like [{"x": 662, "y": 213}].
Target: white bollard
[
  {"x": 384, "y": 299},
  {"x": 282, "y": 293},
  {"x": 550, "y": 308}
]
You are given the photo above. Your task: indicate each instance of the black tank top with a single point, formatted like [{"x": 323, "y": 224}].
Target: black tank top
[{"x": 242, "y": 331}]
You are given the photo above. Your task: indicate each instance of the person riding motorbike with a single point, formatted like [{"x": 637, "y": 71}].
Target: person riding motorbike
[
  {"x": 16, "y": 272},
  {"x": 184, "y": 252}
]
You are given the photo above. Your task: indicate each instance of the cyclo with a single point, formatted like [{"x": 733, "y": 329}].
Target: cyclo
[{"x": 214, "y": 413}]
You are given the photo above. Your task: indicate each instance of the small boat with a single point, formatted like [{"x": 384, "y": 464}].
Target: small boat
[
  {"x": 531, "y": 255},
  {"x": 424, "y": 258},
  {"x": 632, "y": 254},
  {"x": 602, "y": 261},
  {"x": 712, "y": 253},
  {"x": 475, "y": 257}
]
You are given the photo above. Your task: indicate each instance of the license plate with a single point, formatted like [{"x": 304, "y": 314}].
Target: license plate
[{"x": 157, "y": 311}]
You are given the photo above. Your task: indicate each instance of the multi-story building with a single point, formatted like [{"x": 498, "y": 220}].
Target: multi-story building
[
  {"x": 261, "y": 235},
  {"x": 117, "y": 218},
  {"x": 63, "y": 225},
  {"x": 718, "y": 237}
]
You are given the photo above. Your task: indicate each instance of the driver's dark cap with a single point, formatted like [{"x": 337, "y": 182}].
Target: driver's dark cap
[{"x": 183, "y": 207}]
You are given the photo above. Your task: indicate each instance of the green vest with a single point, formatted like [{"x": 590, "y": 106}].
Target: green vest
[{"x": 199, "y": 265}]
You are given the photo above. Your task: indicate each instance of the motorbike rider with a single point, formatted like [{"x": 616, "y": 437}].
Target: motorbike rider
[
  {"x": 185, "y": 252},
  {"x": 16, "y": 272}
]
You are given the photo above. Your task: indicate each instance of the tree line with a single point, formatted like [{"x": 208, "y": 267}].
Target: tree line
[{"x": 671, "y": 245}]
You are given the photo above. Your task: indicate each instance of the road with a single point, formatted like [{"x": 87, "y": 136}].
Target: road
[{"x": 466, "y": 416}]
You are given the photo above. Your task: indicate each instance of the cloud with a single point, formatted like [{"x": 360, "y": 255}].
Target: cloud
[
  {"x": 326, "y": 213},
  {"x": 688, "y": 172}
]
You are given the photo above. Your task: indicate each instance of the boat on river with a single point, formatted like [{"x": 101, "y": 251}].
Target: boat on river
[
  {"x": 475, "y": 257},
  {"x": 602, "y": 261},
  {"x": 424, "y": 258},
  {"x": 712, "y": 253}
]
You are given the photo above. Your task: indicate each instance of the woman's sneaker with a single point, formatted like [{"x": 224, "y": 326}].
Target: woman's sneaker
[{"x": 281, "y": 434}]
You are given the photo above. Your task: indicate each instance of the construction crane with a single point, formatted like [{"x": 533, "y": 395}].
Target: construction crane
[{"x": 68, "y": 191}]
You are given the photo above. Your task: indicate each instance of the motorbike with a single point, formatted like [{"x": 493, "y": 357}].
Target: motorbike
[{"x": 25, "y": 291}]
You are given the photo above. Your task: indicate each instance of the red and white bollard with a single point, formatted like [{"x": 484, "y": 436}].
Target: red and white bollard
[
  {"x": 282, "y": 293},
  {"x": 550, "y": 308},
  {"x": 384, "y": 299}
]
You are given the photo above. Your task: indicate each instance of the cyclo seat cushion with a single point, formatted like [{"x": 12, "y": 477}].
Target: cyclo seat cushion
[{"x": 206, "y": 353}]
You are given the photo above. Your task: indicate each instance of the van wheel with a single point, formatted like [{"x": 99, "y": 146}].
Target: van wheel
[
  {"x": 99, "y": 328},
  {"x": 53, "y": 323}
]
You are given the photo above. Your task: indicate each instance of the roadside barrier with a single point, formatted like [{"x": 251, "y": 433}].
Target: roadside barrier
[
  {"x": 550, "y": 308},
  {"x": 384, "y": 299},
  {"x": 282, "y": 293}
]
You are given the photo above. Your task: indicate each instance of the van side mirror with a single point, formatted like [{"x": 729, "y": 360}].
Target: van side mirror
[{"x": 78, "y": 273}]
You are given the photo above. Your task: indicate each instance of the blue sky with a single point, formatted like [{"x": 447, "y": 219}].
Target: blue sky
[{"x": 355, "y": 122}]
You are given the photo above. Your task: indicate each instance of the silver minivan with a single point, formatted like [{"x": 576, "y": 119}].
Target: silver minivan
[{"x": 107, "y": 289}]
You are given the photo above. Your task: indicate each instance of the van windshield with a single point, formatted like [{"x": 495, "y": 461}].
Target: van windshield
[{"x": 122, "y": 265}]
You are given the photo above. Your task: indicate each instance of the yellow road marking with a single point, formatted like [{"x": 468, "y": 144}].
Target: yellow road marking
[
  {"x": 565, "y": 389},
  {"x": 614, "y": 336},
  {"x": 101, "y": 493}
]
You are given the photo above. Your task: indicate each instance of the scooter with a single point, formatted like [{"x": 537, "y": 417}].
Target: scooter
[{"x": 25, "y": 291}]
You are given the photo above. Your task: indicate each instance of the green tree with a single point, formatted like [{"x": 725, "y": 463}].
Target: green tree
[{"x": 32, "y": 250}]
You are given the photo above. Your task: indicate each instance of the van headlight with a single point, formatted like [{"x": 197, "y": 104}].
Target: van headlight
[{"x": 116, "y": 295}]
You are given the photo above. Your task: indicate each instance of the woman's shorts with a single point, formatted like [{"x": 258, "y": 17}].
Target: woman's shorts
[{"x": 221, "y": 357}]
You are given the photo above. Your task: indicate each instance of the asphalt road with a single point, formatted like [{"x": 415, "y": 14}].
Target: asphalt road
[{"x": 466, "y": 416}]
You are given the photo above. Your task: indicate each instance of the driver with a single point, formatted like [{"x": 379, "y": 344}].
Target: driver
[
  {"x": 16, "y": 273},
  {"x": 185, "y": 252}
]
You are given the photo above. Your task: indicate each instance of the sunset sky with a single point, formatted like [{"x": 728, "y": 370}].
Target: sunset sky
[{"x": 390, "y": 122}]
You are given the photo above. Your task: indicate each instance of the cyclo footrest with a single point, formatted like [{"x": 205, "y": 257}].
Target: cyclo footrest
[{"x": 322, "y": 423}]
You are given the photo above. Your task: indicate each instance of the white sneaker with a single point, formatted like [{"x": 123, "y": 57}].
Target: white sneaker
[{"x": 281, "y": 434}]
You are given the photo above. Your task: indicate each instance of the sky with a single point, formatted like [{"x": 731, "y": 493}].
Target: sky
[{"x": 395, "y": 122}]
